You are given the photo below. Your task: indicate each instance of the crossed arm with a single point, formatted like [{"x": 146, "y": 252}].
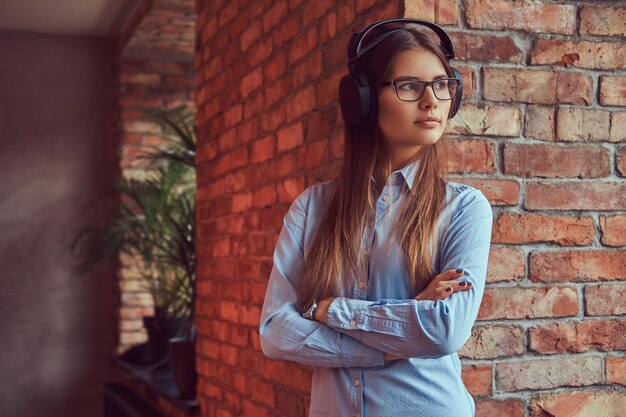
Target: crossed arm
[{"x": 358, "y": 332}]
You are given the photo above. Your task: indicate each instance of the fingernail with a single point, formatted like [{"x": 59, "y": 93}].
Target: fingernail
[
  {"x": 449, "y": 289},
  {"x": 462, "y": 283},
  {"x": 458, "y": 270}
]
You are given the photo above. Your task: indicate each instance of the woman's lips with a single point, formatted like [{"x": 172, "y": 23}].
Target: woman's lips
[{"x": 428, "y": 124}]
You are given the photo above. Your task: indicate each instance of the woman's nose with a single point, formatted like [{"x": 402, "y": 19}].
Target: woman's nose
[{"x": 428, "y": 98}]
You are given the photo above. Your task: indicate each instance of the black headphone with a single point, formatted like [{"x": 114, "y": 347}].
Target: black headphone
[{"x": 359, "y": 105}]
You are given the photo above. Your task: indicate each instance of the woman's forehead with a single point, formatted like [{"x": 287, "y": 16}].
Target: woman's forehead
[{"x": 418, "y": 63}]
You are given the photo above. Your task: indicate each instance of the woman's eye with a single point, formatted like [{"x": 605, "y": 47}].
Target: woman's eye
[
  {"x": 409, "y": 86},
  {"x": 441, "y": 85}
]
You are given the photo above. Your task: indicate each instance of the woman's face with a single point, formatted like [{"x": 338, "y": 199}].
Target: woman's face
[{"x": 398, "y": 119}]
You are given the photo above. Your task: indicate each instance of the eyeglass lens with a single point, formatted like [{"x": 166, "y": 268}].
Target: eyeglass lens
[{"x": 411, "y": 90}]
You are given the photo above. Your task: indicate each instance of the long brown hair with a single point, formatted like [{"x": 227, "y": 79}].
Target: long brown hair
[{"x": 333, "y": 259}]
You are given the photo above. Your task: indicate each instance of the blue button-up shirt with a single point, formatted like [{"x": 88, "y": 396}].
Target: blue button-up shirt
[{"x": 379, "y": 313}]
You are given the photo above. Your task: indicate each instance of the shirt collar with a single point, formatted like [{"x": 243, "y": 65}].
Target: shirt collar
[{"x": 406, "y": 173}]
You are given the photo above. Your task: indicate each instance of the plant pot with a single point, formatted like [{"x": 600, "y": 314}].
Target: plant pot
[
  {"x": 160, "y": 330},
  {"x": 183, "y": 365}
]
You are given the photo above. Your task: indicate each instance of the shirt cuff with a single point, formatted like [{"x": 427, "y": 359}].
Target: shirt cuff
[{"x": 347, "y": 313}]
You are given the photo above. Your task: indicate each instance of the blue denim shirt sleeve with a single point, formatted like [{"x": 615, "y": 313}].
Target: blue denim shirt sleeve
[
  {"x": 284, "y": 333},
  {"x": 426, "y": 328}
]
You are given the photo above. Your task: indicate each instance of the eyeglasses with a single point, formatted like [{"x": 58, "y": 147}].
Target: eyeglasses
[{"x": 412, "y": 89}]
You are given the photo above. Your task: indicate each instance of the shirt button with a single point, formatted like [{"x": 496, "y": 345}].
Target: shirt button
[
  {"x": 357, "y": 382},
  {"x": 386, "y": 197},
  {"x": 361, "y": 285},
  {"x": 365, "y": 253},
  {"x": 352, "y": 323}
]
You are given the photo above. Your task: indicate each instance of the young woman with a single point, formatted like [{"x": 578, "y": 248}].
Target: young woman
[{"x": 388, "y": 260}]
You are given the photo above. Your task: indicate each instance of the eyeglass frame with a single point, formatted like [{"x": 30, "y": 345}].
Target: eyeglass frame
[{"x": 426, "y": 84}]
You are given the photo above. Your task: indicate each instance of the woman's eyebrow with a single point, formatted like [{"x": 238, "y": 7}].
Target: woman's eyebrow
[{"x": 414, "y": 76}]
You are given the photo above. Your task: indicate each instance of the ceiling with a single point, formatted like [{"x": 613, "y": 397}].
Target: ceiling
[{"x": 100, "y": 18}]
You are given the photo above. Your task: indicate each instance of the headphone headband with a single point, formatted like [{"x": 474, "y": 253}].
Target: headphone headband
[{"x": 354, "y": 46}]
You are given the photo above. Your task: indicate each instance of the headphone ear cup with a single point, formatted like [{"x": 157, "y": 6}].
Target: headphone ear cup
[
  {"x": 459, "y": 94},
  {"x": 358, "y": 105}
]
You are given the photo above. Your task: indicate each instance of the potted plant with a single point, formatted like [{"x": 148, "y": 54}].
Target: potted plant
[{"x": 153, "y": 222}]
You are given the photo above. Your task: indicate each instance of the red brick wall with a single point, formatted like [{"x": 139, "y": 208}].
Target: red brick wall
[{"x": 541, "y": 133}]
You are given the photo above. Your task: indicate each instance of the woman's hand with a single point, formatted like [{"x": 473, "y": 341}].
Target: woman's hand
[{"x": 443, "y": 285}]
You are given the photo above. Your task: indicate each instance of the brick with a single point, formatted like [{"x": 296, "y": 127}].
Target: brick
[
  {"x": 261, "y": 50},
  {"x": 485, "y": 48},
  {"x": 264, "y": 197},
  {"x": 477, "y": 379},
  {"x": 263, "y": 149},
  {"x": 510, "y": 407},
  {"x": 328, "y": 87},
  {"x": 289, "y": 189},
  {"x": 536, "y": 86},
  {"x": 576, "y": 124},
  {"x": 612, "y": 90},
  {"x": 469, "y": 81},
  {"x": 446, "y": 12},
  {"x": 534, "y": 160},
  {"x": 275, "y": 66},
  {"x": 613, "y": 230},
  {"x": 506, "y": 263},
  {"x": 275, "y": 92},
  {"x": 577, "y": 195},
  {"x": 302, "y": 102},
  {"x": 488, "y": 342},
  {"x": 233, "y": 115},
  {"x": 528, "y": 302},
  {"x": 286, "y": 31},
  {"x": 510, "y": 227},
  {"x": 140, "y": 126},
  {"x": 485, "y": 120},
  {"x": 540, "y": 123},
  {"x": 227, "y": 140},
  {"x": 605, "y": 299},
  {"x": 308, "y": 69},
  {"x": 579, "y": 403},
  {"x": 313, "y": 155},
  {"x": 578, "y": 265},
  {"x": 616, "y": 370},
  {"x": 602, "y": 20},
  {"x": 527, "y": 15},
  {"x": 499, "y": 192},
  {"x": 252, "y": 409},
  {"x": 242, "y": 202},
  {"x": 442, "y": 12},
  {"x": 620, "y": 160},
  {"x": 251, "y": 82},
  {"x": 330, "y": 26},
  {"x": 580, "y": 336},
  {"x": 290, "y": 137},
  {"x": 226, "y": 14},
  {"x": 146, "y": 79},
  {"x": 582, "y": 54},
  {"x": 257, "y": 102},
  {"x": 302, "y": 45},
  {"x": 618, "y": 127},
  {"x": 274, "y": 15},
  {"x": 262, "y": 392},
  {"x": 288, "y": 375},
  {"x": 471, "y": 156},
  {"x": 571, "y": 371}
]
